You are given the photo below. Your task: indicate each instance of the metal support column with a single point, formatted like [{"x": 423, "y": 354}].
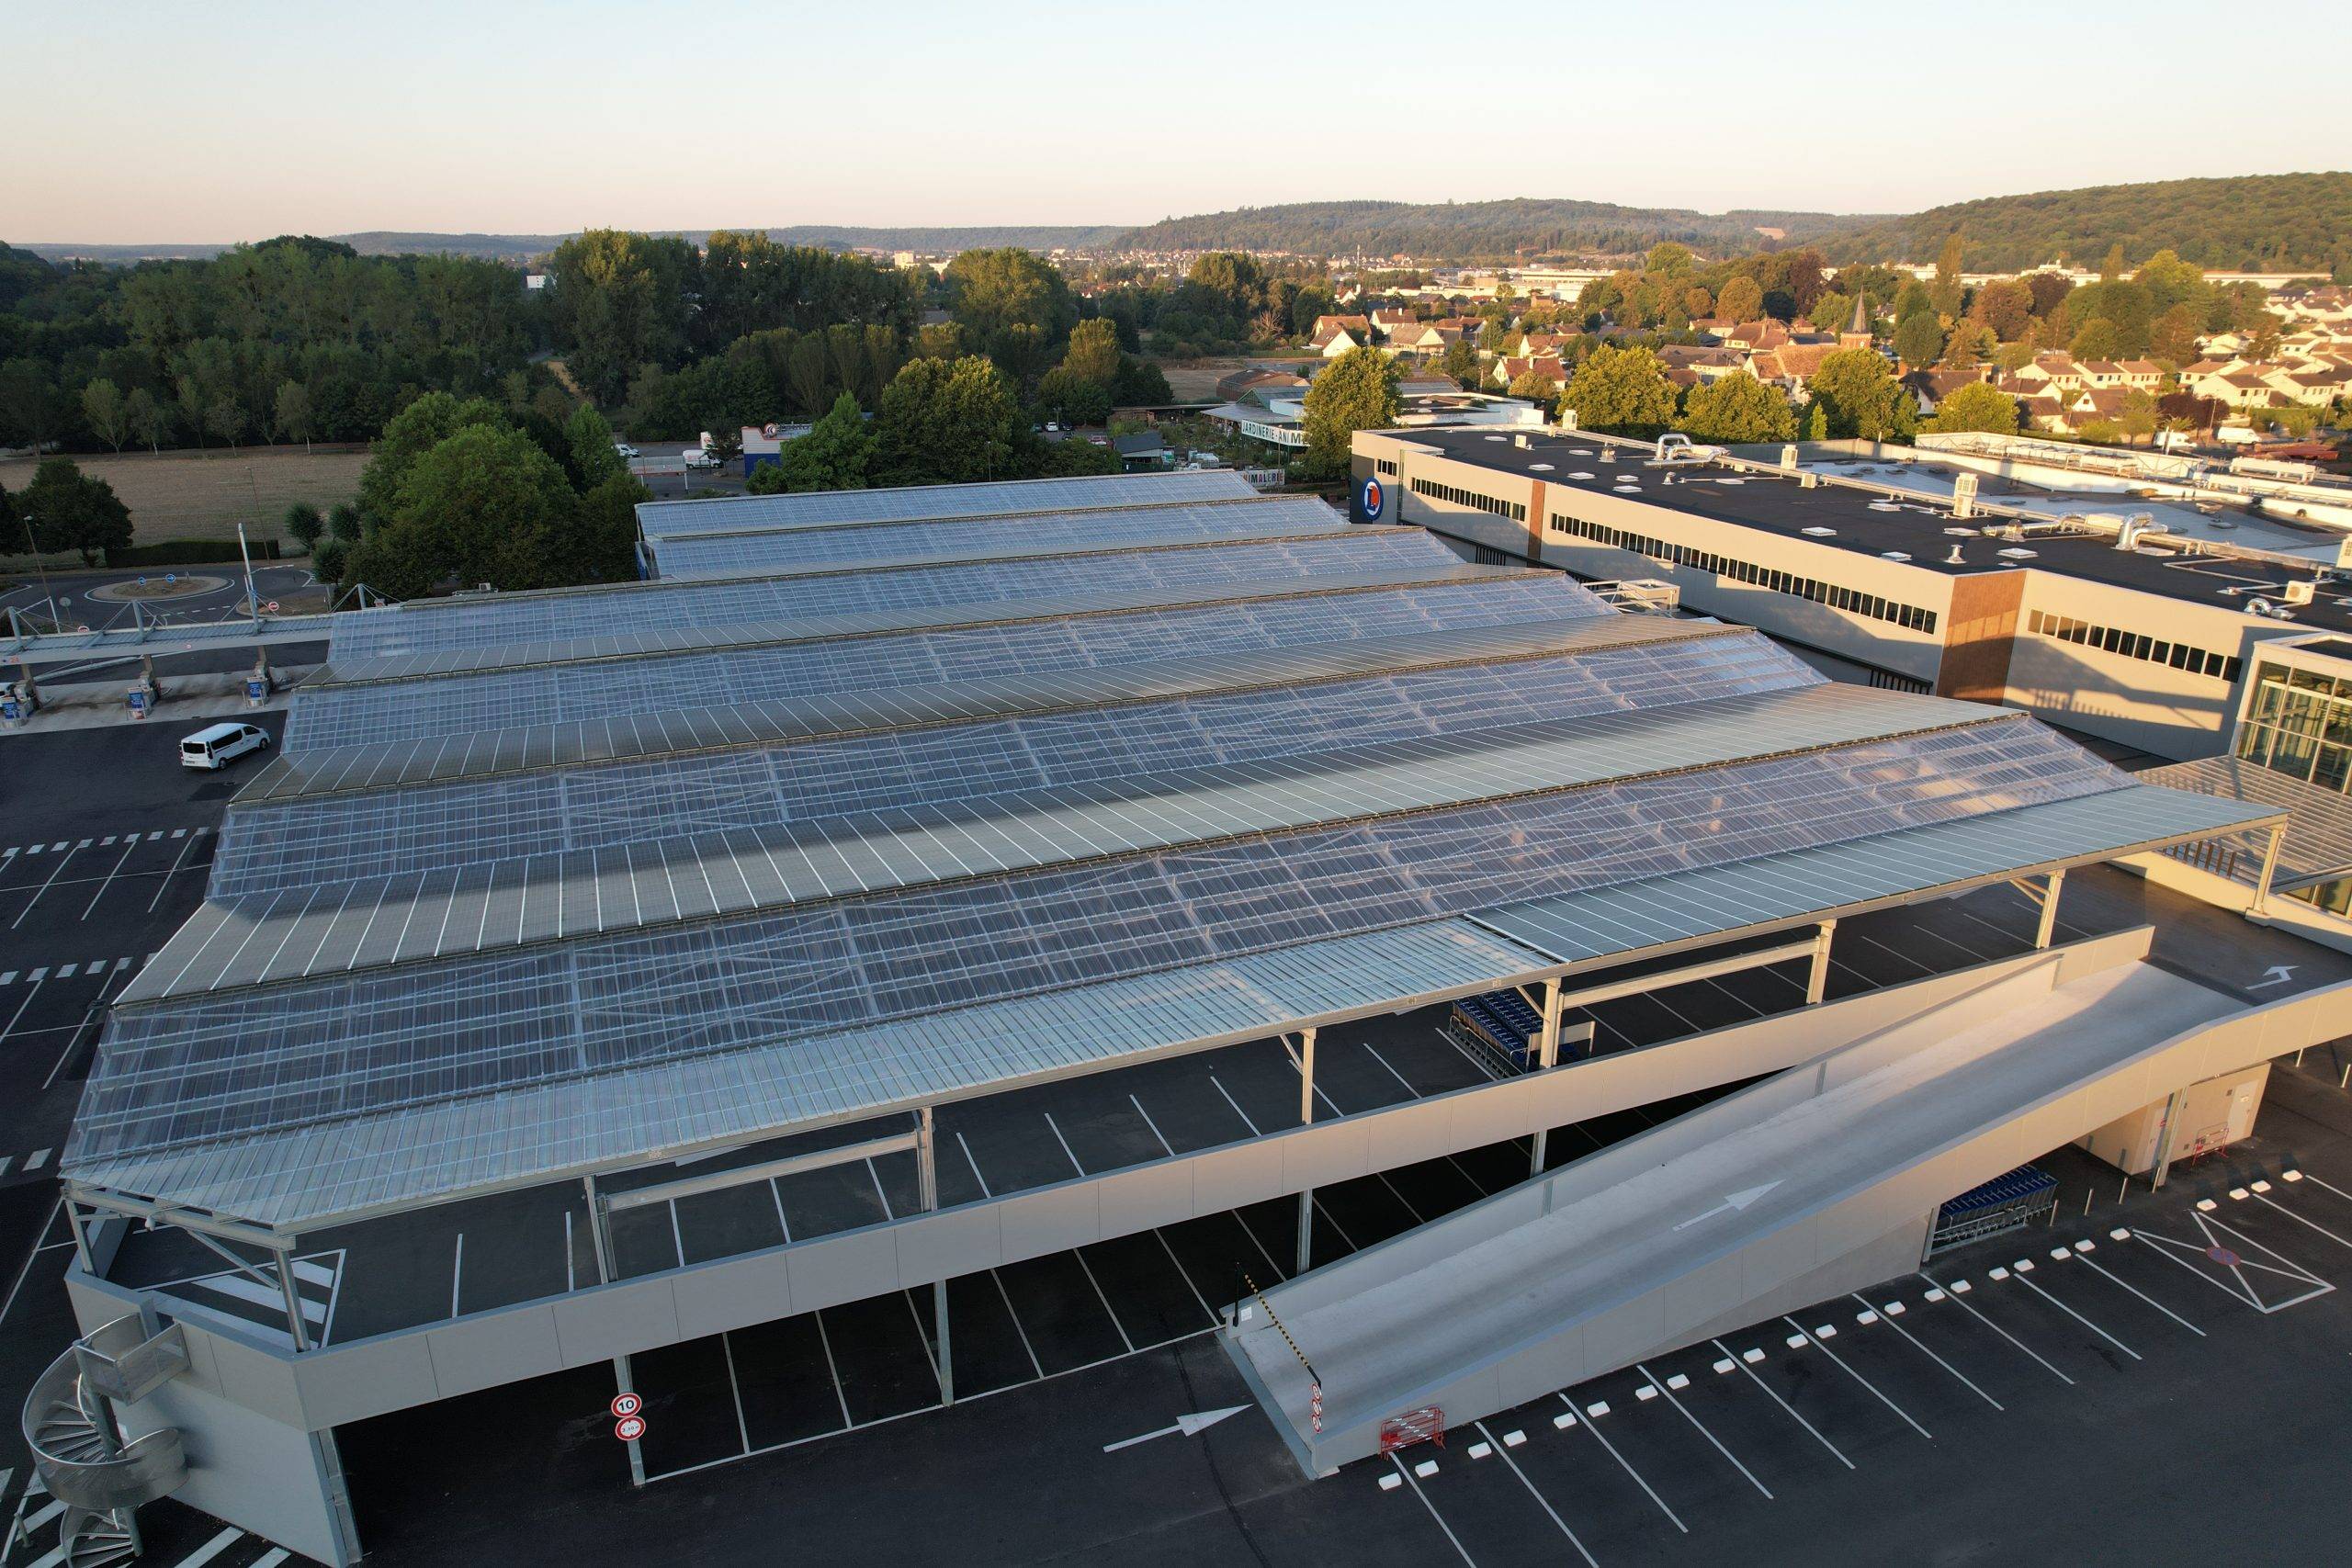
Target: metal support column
[
  {"x": 293, "y": 1299},
  {"x": 600, "y": 1231},
  {"x": 2172, "y": 1109},
  {"x": 2261, "y": 905},
  {"x": 2050, "y": 885},
  {"x": 927, "y": 1171},
  {"x": 80, "y": 1238},
  {"x": 1817, "y": 984},
  {"x": 1548, "y": 1056},
  {"x": 1306, "y": 1118}
]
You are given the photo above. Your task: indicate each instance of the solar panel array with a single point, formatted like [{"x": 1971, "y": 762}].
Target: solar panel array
[
  {"x": 390, "y": 833},
  {"x": 375, "y": 715},
  {"x": 592, "y": 611},
  {"x": 661, "y": 519},
  {"x": 994, "y": 538},
  {"x": 674, "y": 848}
]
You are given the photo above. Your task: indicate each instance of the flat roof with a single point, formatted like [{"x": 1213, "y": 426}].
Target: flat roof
[
  {"x": 657, "y": 519},
  {"x": 1873, "y": 524}
]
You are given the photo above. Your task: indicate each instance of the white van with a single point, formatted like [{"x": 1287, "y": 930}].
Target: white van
[{"x": 222, "y": 745}]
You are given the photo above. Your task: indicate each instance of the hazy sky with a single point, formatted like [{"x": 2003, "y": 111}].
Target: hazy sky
[{"x": 130, "y": 122}]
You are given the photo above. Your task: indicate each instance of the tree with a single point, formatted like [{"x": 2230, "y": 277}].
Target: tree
[
  {"x": 834, "y": 455},
  {"x": 293, "y": 410},
  {"x": 414, "y": 431},
  {"x": 1535, "y": 387},
  {"x": 767, "y": 479},
  {"x": 591, "y": 456},
  {"x": 1945, "y": 292},
  {"x": 1015, "y": 304},
  {"x": 146, "y": 418},
  {"x": 1093, "y": 353},
  {"x": 2005, "y": 305},
  {"x": 1741, "y": 301},
  {"x": 2140, "y": 417},
  {"x": 1976, "y": 406},
  {"x": 945, "y": 422},
  {"x": 71, "y": 511},
  {"x": 2174, "y": 337},
  {"x": 478, "y": 506},
  {"x": 1621, "y": 391},
  {"x": 1073, "y": 400},
  {"x": 1737, "y": 408},
  {"x": 344, "y": 522},
  {"x": 304, "y": 526},
  {"x": 328, "y": 562},
  {"x": 2097, "y": 340},
  {"x": 1919, "y": 340},
  {"x": 1857, "y": 398},
  {"x": 107, "y": 412},
  {"x": 1141, "y": 385},
  {"x": 1460, "y": 361},
  {"x": 1355, "y": 392}
]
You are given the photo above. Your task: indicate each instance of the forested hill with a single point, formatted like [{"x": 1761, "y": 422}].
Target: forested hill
[
  {"x": 1472, "y": 231},
  {"x": 2249, "y": 222},
  {"x": 518, "y": 248}
]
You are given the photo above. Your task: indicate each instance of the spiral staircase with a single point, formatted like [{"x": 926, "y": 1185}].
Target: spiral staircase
[{"x": 71, "y": 1425}]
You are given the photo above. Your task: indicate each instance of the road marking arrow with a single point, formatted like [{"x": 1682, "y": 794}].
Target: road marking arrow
[
  {"x": 1185, "y": 1426},
  {"x": 2280, "y": 974},
  {"x": 1732, "y": 1204}
]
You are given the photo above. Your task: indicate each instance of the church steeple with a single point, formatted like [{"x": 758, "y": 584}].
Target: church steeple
[{"x": 1858, "y": 331}]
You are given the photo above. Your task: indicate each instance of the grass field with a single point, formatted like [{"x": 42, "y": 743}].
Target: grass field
[{"x": 188, "y": 495}]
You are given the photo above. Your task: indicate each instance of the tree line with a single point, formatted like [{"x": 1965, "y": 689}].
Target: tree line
[{"x": 293, "y": 339}]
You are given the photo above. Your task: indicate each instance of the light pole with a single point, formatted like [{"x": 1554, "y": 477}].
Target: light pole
[{"x": 38, "y": 570}]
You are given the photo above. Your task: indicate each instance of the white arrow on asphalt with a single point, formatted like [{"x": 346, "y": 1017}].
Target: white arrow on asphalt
[
  {"x": 1730, "y": 1204},
  {"x": 1185, "y": 1426},
  {"x": 2280, "y": 974}
]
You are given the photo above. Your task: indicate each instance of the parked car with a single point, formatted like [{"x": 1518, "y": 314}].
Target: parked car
[
  {"x": 625, "y": 452},
  {"x": 221, "y": 744},
  {"x": 699, "y": 457}
]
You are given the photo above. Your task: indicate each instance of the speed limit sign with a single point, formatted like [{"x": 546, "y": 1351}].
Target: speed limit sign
[
  {"x": 626, "y": 1406},
  {"x": 629, "y": 1428}
]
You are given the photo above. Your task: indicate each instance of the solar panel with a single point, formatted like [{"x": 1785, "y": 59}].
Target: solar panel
[
  {"x": 249, "y": 1060},
  {"x": 325, "y": 928},
  {"x": 537, "y": 618},
  {"x": 657, "y": 519},
  {"x": 566, "y": 694},
  {"x": 741, "y": 554},
  {"x": 398, "y": 831}
]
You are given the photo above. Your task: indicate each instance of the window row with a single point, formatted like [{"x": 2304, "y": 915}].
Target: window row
[
  {"x": 1514, "y": 510},
  {"x": 2135, "y": 645},
  {"x": 1853, "y": 601}
]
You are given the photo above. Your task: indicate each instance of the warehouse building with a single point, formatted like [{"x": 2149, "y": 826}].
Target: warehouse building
[
  {"x": 577, "y": 939},
  {"x": 2100, "y": 620}
]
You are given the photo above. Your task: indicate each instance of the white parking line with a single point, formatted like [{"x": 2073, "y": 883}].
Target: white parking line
[
  {"x": 44, "y": 886},
  {"x": 1543, "y": 1502},
  {"x": 164, "y": 882},
  {"x": 1965, "y": 1304},
  {"x": 1593, "y": 1427},
  {"x": 1405, "y": 1471},
  {"x": 110, "y": 875},
  {"x": 2143, "y": 1295},
  {"x": 2030, "y": 1283},
  {"x": 1659, "y": 1383},
  {"x": 273, "y": 1558},
  {"x": 2261, "y": 1198},
  {"x": 212, "y": 1549},
  {"x": 1857, "y": 1376},
  {"x": 826, "y": 1340},
  {"x": 1929, "y": 1354}
]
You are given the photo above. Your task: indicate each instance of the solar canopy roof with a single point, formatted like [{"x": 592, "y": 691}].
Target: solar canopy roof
[
  {"x": 661, "y": 519},
  {"x": 990, "y": 538},
  {"x": 501, "y": 928}
]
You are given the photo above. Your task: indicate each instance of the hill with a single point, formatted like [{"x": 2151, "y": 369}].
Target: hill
[
  {"x": 519, "y": 248},
  {"x": 1472, "y": 231},
  {"x": 2248, "y": 221}
]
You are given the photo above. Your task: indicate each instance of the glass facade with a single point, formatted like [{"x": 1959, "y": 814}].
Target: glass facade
[{"x": 2299, "y": 722}]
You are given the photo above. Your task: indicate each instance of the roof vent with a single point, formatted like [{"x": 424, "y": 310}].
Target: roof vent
[
  {"x": 1539, "y": 468},
  {"x": 1896, "y": 554},
  {"x": 2013, "y": 553},
  {"x": 1581, "y": 474},
  {"x": 1820, "y": 533},
  {"x": 1955, "y": 558},
  {"x": 1962, "y": 533}
]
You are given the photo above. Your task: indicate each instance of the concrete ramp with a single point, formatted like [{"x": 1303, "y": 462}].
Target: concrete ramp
[{"x": 1821, "y": 1180}]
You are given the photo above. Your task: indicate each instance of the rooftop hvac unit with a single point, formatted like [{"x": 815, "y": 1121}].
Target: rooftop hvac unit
[
  {"x": 1809, "y": 480},
  {"x": 1963, "y": 496},
  {"x": 1567, "y": 419},
  {"x": 2297, "y": 593},
  {"x": 1519, "y": 441},
  {"x": 1789, "y": 455}
]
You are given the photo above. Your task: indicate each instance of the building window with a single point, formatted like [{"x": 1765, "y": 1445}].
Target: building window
[
  {"x": 1514, "y": 510},
  {"x": 2299, "y": 722},
  {"x": 2221, "y": 667},
  {"x": 1850, "y": 600},
  {"x": 1387, "y": 466}
]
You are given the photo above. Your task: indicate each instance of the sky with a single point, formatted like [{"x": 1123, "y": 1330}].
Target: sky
[{"x": 136, "y": 122}]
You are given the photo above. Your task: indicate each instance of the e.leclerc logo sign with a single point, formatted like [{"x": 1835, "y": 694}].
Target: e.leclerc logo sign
[{"x": 1371, "y": 496}]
